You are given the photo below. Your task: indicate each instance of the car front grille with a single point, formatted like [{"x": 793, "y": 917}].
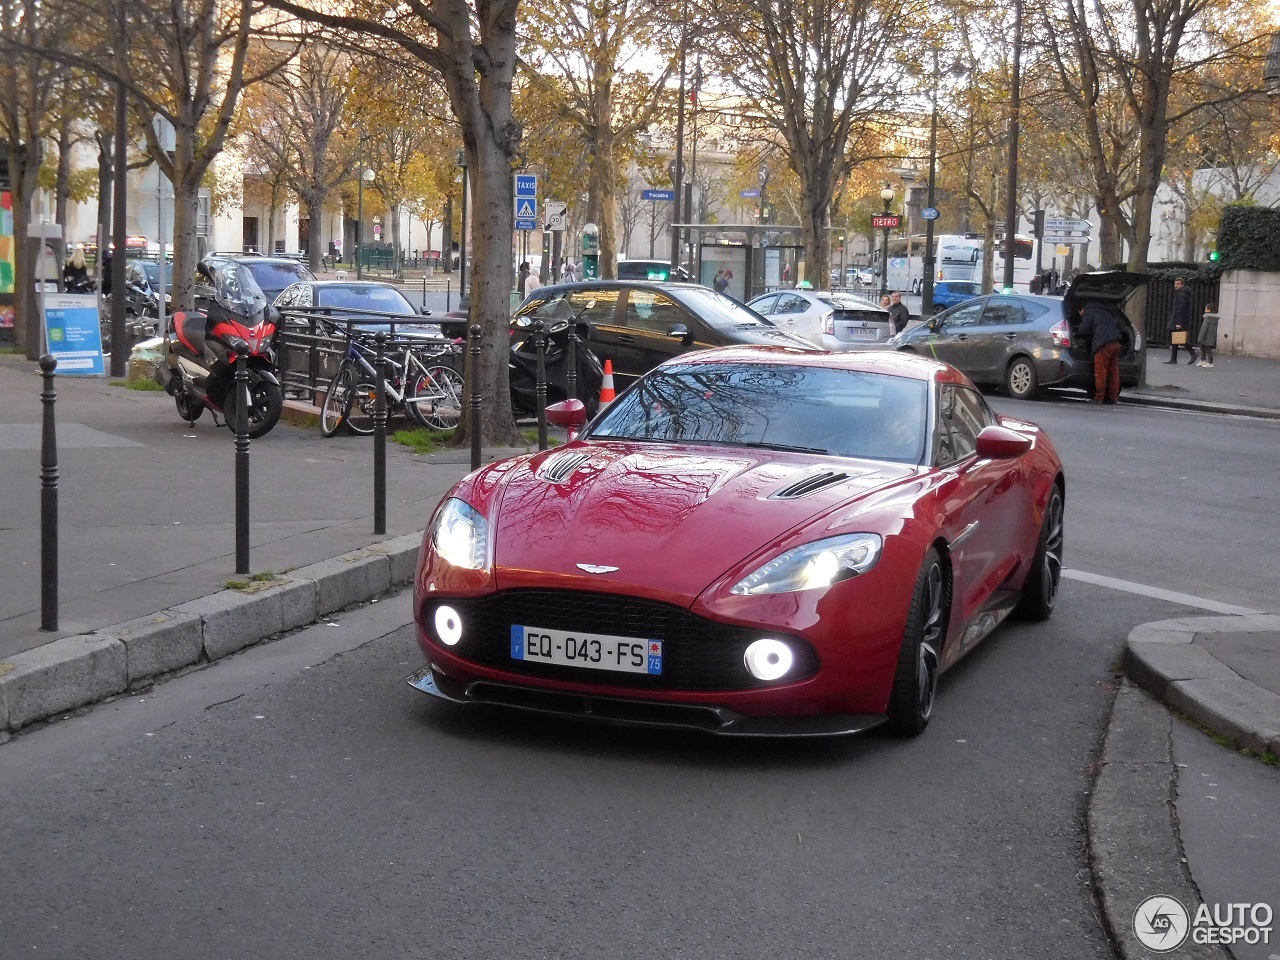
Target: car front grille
[{"x": 697, "y": 654}]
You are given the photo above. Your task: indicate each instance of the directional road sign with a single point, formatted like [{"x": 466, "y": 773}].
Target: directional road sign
[
  {"x": 557, "y": 214},
  {"x": 526, "y": 185},
  {"x": 1067, "y": 226},
  {"x": 657, "y": 195},
  {"x": 749, "y": 193}
]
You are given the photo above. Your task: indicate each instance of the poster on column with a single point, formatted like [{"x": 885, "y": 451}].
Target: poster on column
[{"x": 72, "y": 334}]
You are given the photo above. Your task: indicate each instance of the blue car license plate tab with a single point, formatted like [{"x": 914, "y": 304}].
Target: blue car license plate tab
[{"x": 592, "y": 651}]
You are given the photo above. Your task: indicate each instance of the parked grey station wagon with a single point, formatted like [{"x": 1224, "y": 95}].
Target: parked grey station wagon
[{"x": 1024, "y": 343}]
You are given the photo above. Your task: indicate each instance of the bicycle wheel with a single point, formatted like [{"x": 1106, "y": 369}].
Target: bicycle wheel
[
  {"x": 433, "y": 398},
  {"x": 359, "y": 417},
  {"x": 337, "y": 400}
]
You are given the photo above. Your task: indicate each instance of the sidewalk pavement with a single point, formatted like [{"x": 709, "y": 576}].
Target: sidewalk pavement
[{"x": 1238, "y": 385}]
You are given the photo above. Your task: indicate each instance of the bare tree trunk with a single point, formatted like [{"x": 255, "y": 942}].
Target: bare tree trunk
[
  {"x": 602, "y": 183},
  {"x": 24, "y": 164},
  {"x": 314, "y": 198},
  {"x": 1108, "y": 241}
]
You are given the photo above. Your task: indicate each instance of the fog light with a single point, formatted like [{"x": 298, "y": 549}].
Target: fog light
[
  {"x": 768, "y": 659},
  {"x": 448, "y": 625}
]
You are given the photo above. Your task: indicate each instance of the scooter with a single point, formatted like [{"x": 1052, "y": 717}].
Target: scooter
[
  {"x": 200, "y": 355},
  {"x": 524, "y": 364}
]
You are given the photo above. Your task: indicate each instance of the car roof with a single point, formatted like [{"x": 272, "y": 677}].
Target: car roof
[{"x": 890, "y": 362}]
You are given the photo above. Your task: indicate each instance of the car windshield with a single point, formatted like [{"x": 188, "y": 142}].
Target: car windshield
[
  {"x": 361, "y": 297},
  {"x": 277, "y": 276},
  {"x": 152, "y": 270},
  {"x": 720, "y": 311},
  {"x": 842, "y": 413}
]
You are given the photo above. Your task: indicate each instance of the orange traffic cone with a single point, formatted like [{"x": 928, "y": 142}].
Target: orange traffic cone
[{"x": 606, "y": 386}]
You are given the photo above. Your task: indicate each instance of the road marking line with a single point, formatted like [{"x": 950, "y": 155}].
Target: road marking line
[{"x": 1186, "y": 599}]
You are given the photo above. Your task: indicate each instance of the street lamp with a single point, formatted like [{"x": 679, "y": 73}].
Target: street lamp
[
  {"x": 887, "y": 196},
  {"x": 1011, "y": 196},
  {"x": 366, "y": 176},
  {"x": 464, "y": 299}
]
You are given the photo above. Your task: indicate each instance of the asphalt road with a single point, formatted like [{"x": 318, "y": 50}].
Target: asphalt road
[{"x": 299, "y": 800}]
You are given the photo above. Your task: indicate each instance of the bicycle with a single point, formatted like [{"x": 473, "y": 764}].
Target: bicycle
[{"x": 429, "y": 394}]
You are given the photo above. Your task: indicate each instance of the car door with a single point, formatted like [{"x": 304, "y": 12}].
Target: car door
[
  {"x": 597, "y": 305},
  {"x": 982, "y": 501},
  {"x": 947, "y": 338},
  {"x": 789, "y": 314},
  {"x": 656, "y": 329},
  {"x": 995, "y": 338}
]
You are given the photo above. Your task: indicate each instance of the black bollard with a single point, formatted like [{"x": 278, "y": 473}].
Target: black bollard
[
  {"x": 474, "y": 387},
  {"x": 380, "y": 436},
  {"x": 241, "y": 387},
  {"x": 571, "y": 374},
  {"x": 48, "y": 502},
  {"x": 448, "y": 290},
  {"x": 540, "y": 384}
]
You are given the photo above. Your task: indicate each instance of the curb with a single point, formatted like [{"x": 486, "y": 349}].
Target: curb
[
  {"x": 75, "y": 671},
  {"x": 1198, "y": 406},
  {"x": 1134, "y": 848},
  {"x": 1162, "y": 658}
]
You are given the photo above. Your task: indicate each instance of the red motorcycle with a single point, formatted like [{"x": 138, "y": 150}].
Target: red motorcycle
[{"x": 200, "y": 353}]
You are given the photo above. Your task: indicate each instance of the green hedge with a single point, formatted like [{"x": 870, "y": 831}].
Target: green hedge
[{"x": 1249, "y": 238}]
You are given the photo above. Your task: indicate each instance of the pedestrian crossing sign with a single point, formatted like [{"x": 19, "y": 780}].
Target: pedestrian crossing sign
[{"x": 526, "y": 208}]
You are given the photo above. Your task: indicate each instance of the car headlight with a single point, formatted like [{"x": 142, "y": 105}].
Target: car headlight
[
  {"x": 814, "y": 565},
  {"x": 461, "y": 535}
]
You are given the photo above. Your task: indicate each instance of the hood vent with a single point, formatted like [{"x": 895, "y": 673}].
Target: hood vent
[
  {"x": 558, "y": 469},
  {"x": 810, "y": 484}
]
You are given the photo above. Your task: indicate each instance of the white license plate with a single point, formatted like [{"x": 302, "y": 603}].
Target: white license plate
[
  {"x": 595, "y": 651},
  {"x": 862, "y": 333}
]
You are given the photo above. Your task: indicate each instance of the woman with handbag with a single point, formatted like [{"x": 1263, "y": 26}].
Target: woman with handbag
[{"x": 1180, "y": 323}]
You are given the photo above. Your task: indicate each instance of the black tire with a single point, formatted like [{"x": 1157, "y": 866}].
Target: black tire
[
  {"x": 189, "y": 408},
  {"x": 1040, "y": 592},
  {"x": 915, "y": 684},
  {"x": 1020, "y": 379},
  {"x": 434, "y": 399},
  {"x": 359, "y": 418},
  {"x": 333, "y": 413},
  {"x": 266, "y": 403}
]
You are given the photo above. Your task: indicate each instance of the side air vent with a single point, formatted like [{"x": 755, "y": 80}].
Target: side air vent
[
  {"x": 810, "y": 484},
  {"x": 558, "y": 468}
]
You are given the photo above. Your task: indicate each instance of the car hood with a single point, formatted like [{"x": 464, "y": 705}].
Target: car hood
[
  {"x": 1112, "y": 286},
  {"x": 769, "y": 336},
  {"x": 671, "y": 521}
]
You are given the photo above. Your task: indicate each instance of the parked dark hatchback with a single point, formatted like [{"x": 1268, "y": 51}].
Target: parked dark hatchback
[
  {"x": 638, "y": 325},
  {"x": 1023, "y": 343}
]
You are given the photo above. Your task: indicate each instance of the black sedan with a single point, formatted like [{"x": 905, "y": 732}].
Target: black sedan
[
  {"x": 1024, "y": 343},
  {"x": 638, "y": 325}
]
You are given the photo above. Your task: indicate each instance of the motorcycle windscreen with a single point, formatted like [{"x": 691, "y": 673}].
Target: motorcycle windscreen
[{"x": 239, "y": 294}]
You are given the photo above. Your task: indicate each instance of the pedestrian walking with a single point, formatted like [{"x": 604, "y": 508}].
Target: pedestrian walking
[
  {"x": 886, "y": 302},
  {"x": 1181, "y": 323},
  {"x": 898, "y": 313},
  {"x": 1100, "y": 330},
  {"x": 523, "y": 283},
  {"x": 570, "y": 274},
  {"x": 1208, "y": 337}
]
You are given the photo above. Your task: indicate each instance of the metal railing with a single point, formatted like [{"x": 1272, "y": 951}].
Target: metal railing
[{"x": 313, "y": 340}]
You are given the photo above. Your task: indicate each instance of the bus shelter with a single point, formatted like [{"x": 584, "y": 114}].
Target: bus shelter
[{"x": 753, "y": 257}]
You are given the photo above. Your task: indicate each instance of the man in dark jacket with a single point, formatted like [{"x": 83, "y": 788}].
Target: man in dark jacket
[
  {"x": 1180, "y": 322},
  {"x": 899, "y": 313},
  {"x": 1100, "y": 329}
]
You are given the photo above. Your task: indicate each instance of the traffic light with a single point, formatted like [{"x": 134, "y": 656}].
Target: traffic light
[{"x": 1214, "y": 256}]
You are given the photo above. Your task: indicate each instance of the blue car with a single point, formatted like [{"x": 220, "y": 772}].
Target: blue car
[{"x": 947, "y": 293}]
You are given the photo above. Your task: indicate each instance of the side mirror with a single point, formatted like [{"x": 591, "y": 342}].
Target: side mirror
[
  {"x": 570, "y": 414},
  {"x": 425, "y": 311},
  {"x": 935, "y": 323},
  {"x": 1000, "y": 443},
  {"x": 678, "y": 331}
]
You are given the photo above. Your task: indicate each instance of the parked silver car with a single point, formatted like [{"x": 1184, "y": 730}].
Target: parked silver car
[
  {"x": 833, "y": 321},
  {"x": 1024, "y": 343}
]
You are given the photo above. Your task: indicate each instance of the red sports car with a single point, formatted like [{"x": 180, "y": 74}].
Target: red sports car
[{"x": 750, "y": 540}]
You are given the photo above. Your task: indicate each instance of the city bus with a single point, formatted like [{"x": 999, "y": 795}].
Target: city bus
[
  {"x": 959, "y": 257},
  {"x": 906, "y": 263}
]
